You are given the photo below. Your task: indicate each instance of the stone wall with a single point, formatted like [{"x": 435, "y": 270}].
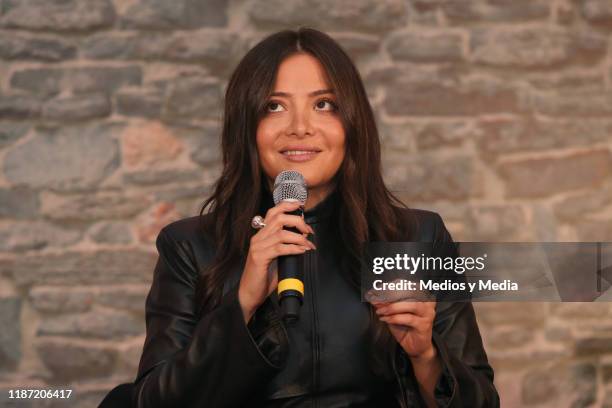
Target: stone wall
[{"x": 497, "y": 114}]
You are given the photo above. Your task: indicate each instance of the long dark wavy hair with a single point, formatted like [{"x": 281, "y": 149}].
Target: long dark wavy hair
[{"x": 367, "y": 211}]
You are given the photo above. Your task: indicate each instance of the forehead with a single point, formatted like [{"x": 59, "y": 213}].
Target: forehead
[{"x": 300, "y": 73}]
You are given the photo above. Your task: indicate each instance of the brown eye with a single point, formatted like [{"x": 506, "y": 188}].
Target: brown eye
[
  {"x": 326, "y": 105},
  {"x": 274, "y": 107}
]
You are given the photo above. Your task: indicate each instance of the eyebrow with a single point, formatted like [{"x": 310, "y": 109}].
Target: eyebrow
[{"x": 314, "y": 93}]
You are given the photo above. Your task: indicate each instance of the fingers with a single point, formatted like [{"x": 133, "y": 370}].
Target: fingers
[
  {"x": 279, "y": 244},
  {"x": 276, "y": 219},
  {"x": 264, "y": 253},
  {"x": 289, "y": 237},
  {"x": 287, "y": 220},
  {"x": 420, "y": 309},
  {"x": 407, "y": 319},
  {"x": 273, "y": 240},
  {"x": 387, "y": 296},
  {"x": 418, "y": 315},
  {"x": 281, "y": 208},
  {"x": 286, "y": 237},
  {"x": 287, "y": 249}
]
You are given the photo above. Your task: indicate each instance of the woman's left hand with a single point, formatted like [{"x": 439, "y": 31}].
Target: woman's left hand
[{"x": 411, "y": 324}]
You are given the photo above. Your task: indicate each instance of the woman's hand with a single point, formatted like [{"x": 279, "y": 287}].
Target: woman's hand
[
  {"x": 260, "y": 276},
  {"x": 411, "y": 324}
]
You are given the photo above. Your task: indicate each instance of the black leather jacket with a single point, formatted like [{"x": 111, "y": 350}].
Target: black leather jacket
[{"x": 219, "y": 361}]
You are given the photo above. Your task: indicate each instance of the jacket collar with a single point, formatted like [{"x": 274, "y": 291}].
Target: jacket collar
[{"x": 319, "y": 212}]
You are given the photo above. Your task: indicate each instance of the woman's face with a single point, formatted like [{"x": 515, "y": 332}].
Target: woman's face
[{"x": 301, "y": 129}]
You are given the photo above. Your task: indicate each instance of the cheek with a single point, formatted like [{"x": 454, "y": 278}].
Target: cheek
[
  {"x": 338, "y": 145},
  {"x": 264, "y": 142},
  {"x": 264, "y": 139}
]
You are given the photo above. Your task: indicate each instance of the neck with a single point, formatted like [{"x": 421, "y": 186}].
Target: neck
[{"x": 316, "y": 195}]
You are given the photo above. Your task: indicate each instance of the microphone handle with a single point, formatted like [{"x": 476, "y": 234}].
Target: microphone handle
[{"x": 291, "y": 281}]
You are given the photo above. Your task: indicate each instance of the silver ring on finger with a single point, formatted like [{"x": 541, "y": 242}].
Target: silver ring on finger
[{"x": 258, "y": 222}]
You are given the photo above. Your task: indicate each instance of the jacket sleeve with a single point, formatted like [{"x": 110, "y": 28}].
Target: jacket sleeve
[
  {"x": 467, "y": 377},
  {"x": 214, "y": 361}
]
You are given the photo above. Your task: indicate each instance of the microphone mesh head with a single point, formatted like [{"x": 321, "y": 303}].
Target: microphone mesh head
[{"x": 290, "y": 185}]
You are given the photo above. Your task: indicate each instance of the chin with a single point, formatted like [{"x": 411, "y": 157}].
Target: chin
[{"x": 306, "y": 169}]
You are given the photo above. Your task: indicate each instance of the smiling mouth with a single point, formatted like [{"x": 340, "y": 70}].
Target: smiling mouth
[
  {"x": 299, "y": 152},
  {"x": 299, "y": 155}
]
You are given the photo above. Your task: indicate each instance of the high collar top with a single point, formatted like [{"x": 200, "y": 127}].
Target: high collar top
[{"x": 323, "y": 210}]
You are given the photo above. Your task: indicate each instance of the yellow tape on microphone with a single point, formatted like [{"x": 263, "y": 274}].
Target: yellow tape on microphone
[{"x": 291, "y": 284}]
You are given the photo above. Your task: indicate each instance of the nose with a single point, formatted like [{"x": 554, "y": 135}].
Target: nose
[{"x": 300, "y": 125}]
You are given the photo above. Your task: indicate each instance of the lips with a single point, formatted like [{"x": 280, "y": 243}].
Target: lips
[
  {"x": 299, "y": 153},
  {"x": 293, "y": 150}
]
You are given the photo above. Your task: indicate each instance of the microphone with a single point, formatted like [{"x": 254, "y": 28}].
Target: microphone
[{"x": 290, "y": 186}]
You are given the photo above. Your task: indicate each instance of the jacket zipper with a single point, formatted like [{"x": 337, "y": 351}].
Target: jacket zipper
[
  {"x": 403, "y": 402},
  {"x": 310, "y": 260},
  {"x": 310, "y": 271}
]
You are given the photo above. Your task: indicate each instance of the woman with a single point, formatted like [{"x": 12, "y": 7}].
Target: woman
[{"x": 214, "y": 335}]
